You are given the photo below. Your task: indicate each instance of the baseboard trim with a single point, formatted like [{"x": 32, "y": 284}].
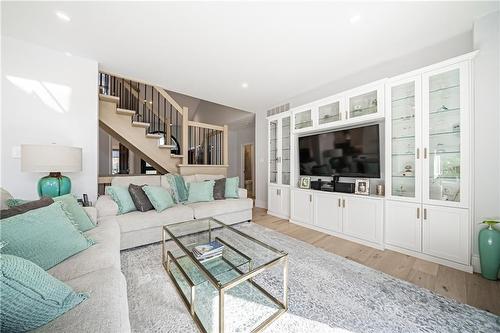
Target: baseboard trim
[
  {"x": 476, "y": 264},
  {"x": 277, "y": 215},
  {"x": 340, "y": 235}
]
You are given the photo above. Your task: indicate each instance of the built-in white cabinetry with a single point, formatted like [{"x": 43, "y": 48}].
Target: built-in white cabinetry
[
  {"x": 301, "y": 208},
  {"x": 350, "y": 216},
  {"x": 363, "y": 104},
  {"x": 279, "y": 132},
  {"x": 362, "y": 218},
  {"x": 428, "y": 162},
  {"x": 328, "y": 211}
]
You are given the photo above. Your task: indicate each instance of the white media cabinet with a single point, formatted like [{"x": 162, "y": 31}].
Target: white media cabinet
[{"x": 425, "y": 119}]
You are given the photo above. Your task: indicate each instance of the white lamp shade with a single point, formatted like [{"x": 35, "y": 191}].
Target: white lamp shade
[{"x": 50, "y": 158}]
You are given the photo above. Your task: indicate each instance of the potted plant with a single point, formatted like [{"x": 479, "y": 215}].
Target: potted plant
[{"x": 489, "y": 250}]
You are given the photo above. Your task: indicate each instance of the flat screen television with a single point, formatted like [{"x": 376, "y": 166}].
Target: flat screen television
[{"x": 350, "y": 152}]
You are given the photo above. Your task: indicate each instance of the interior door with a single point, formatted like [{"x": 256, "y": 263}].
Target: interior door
[
  {"x": 403, "y": 135},
  {"x": 403, "y": 224},
  {"x": 328, "y": 211},
  {"x": 446, "y": 233},
  {"x": 446, "y": 136}
]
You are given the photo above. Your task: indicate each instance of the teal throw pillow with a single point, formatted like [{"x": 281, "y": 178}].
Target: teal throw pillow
[
  {"x": 232, "y": 187},
  {"x": 31, "y": 297},
  {"x": 45, "y": 236},
  {"x": 202, "y": 191},
  {"x": 15, "y": 202},
  {"x": 122, "y": 198},
  {"x": 72, "y": 207},
  {"x": 160, "y": 197}
]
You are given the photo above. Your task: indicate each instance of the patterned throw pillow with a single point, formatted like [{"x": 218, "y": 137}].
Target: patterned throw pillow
[
  {"x": 31, "y": 297},
  {"x": 71, "y": 206},
  {"x": 159, "y": 197},
  {"x": 201, "y": 191},
  {"x": 220, "y": 189},
  {"x": 232, "y": 187},
  {"x": 178, "y": 187},
  {"x": 122, "y": 197},
  {"x": 140, "y": 198},
  {"x": 45, "y": 236},
  {"x": 13, "y": 202}
]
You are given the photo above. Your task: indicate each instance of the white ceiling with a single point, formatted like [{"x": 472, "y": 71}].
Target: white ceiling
[{"x": 209, "y": 49}]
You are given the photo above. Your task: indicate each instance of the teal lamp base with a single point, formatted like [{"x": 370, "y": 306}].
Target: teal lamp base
[{"x": 54, "y": 185}]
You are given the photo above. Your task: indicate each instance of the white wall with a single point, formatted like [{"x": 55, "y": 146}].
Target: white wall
[
  {"x": 447, "y": 49},
  {"x": 47, "y": 97},
  {"x": 487, "y": 120}
]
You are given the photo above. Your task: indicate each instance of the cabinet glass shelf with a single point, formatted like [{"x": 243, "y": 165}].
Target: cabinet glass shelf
[
  {"x": 443, "y": 89},
  {"x": 329, "y": 113},
  {"x": 364, "y": 104}
]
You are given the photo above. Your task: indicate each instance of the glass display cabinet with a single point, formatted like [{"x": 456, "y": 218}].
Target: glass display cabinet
[{"x": 303, "y": 119}]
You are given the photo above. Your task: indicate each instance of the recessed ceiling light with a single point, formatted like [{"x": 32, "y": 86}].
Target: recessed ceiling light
[
  {"x": 355, "y": 18},
  {"x": 68, "y": 54},
  {"x": 244, "y": 85},
  {"x": 63, "y": 16}
]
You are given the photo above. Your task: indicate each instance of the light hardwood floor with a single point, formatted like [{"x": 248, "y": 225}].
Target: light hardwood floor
[{"x": 466, "y": 288}]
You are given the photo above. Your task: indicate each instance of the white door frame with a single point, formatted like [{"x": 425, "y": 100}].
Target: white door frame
[{"x": 242, "y": 165}]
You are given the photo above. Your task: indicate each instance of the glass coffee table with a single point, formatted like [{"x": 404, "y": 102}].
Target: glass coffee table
[{"x": 223, "y": 294}]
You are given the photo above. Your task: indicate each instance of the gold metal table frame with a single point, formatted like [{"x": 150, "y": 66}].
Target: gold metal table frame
[{"x": 168, "y": 259}]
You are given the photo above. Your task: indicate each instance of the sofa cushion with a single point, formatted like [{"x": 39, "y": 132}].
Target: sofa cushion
[
  {"x": 201, "y": 191},
  {"x": 219, "y": 207},
  {"x": 105, "y": 206},
  {"x": 232, "y": 187},
  {"x": 30, "y": 296},
  {"x": 106, "y": 309},
  {"x": 160, "y": 198},
  {"x": 139, "y": 220},
  {"x": 121, "y": 196},
  {"x": 45, "y": 236},
  {"x": 104, "y": 254},
  {"x": 220, "y": 189},
  {"x": 139, "y": 198},
  {"x": 72, "y": 207},
  {"x": 25, "y": 207}
]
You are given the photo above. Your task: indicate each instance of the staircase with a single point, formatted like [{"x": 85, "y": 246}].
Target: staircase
[{"x": 149, "y": 122}]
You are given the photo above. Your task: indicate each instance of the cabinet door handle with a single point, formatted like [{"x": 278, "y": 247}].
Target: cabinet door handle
[
  {"x": 425, "y": 153},
  {"x": 425, "y": 213},
  {"x": 339, "y": 202},
  {"x": 310, "y": 198},
  {"x": 418, "y": 213},
  {"x": 418, "y": 153},
  {"x": 343, "y": 203}
]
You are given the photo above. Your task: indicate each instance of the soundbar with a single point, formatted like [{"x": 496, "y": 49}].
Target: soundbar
[{"x": 344, "y": 187}]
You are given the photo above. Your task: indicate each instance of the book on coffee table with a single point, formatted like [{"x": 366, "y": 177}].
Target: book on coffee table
[{"x": 208, "y": 251}]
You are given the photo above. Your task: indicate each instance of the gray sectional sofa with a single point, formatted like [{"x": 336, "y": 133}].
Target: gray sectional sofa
[{"x": 96, "y": 270}]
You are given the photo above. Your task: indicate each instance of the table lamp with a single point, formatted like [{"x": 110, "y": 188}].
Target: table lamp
[{"x": 53, "y": 159}]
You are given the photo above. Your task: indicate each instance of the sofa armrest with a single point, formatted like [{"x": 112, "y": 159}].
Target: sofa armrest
[
  {"x": 106, "y": 206},
  {"x": 242, "y": 193},
  {"x": 92, "y": 213}
]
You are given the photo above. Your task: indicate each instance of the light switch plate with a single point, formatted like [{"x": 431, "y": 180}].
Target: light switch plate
[{"x": 16, "y": 152}]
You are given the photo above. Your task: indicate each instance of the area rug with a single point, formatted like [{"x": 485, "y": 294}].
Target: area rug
[{"x": 327, "y": 293}]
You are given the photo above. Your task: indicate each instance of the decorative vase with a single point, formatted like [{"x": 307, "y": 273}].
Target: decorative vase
[
  {"x": 489, "y": 251},
  {"x": 54, "y": 185}
]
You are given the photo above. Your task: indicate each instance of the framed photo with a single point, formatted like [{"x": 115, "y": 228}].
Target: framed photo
[
  {"x": 305, "y": 182},
  {"x": 362, "y": 186}
]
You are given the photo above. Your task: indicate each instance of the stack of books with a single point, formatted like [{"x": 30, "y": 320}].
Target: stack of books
[{"x": 208, "y": 251}]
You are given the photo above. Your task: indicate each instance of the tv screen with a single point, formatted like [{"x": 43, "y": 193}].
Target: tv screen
[{"x": 351, "y": 152}]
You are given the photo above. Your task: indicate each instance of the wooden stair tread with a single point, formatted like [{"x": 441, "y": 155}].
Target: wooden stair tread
[
  {"x": 176, "y": 156},
  {"x": 166, "y": 146},
  {"x": 140, "y": 124},
  {"x": 109, "y": 98},
  {"x": 125, "y": 112},
  {"x": 153, "y": 136}
]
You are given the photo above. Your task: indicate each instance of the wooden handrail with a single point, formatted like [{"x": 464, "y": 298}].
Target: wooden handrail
[
  {"x": 172, "y": 101},
  {"x": 205, "y": 125}
]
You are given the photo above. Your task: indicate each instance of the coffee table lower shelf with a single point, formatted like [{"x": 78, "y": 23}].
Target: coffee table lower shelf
[{"x": 235, "y": 302}]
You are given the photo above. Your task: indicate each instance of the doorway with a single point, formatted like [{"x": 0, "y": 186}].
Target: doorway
[{"x": 247, "y": 168}]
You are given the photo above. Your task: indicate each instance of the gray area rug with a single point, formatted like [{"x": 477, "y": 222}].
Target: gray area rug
[{"x": 327, "y": 293}]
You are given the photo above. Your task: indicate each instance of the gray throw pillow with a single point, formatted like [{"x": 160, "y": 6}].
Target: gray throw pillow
[
  {"x": 140, "y": 198},
  {"x": 26, "y": 207},
  {"x": 220, "y": 189}
]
